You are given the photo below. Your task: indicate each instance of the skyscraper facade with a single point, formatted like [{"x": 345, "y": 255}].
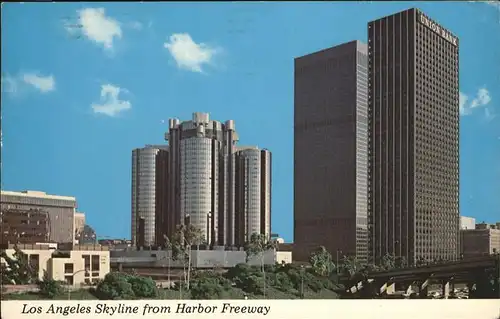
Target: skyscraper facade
[
  {"x": 198, "y": 182},
  {"x": 330, "y": 152},
  {"x": 253, "y": 193},
  {"x": 413, "y": 113},
  {"x": 144, "y": 194}
]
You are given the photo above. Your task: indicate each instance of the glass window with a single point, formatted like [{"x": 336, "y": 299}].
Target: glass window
[
  {"x": 95, "y": 263},
  {"x": 68, "y": 268},
  {"x": 69, "y": 280},
  {"x": 86, "y": 261}
]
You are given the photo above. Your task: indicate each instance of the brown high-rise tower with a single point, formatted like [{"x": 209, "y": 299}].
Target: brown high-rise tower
[
  {"x": 413, "y": 113},
  {"x": 330, "y": 152}
]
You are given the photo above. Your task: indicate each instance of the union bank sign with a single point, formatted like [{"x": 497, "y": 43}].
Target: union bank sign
[{"x": 437, "y": 29}]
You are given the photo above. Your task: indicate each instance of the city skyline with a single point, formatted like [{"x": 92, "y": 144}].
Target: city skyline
[{"x": 60, "y": 138}]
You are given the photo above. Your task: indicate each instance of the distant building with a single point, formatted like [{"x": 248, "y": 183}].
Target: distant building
[
  {"x": 144, "y": 184},
  {"x": 467, "y": 222},
  {"x": 60, "y": 211},
  {"x": 252, "y": 193},
  {"x": 484, "y": 240},
  {"x": 24, "y": 226},
  {"x": 87, "y": 236},
  {"x": 201, "y": 178},
  {"x": 79, "y": 223},
  {"x": 81, "y": 265}
]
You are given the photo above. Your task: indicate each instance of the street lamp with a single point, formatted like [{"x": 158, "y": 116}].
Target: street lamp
[
  {"x": 73, "y": 276},
  {"x": 337, "y": 266},
  {"x": 302, "y": 281},
  {"x": 209, "y": 229}
]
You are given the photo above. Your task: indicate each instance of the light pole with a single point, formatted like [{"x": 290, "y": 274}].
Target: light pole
[
  {"x": 209, "y": 229},
  {"x": 73, "y": 277},
  {"x": 337, "y": 266},
  {"x": 302, "y": 281}
]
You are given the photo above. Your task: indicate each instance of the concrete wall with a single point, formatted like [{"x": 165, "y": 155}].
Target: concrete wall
[{"x": 199, "y": 259}]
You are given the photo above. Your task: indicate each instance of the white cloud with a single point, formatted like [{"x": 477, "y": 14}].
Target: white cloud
[
  {"x": 110, "y": 103},
  {"x": 136, "y": 25},
  {"x": 98, "y": 27},
  {"x": 482, "y": 98},
  {"x": 188, "y": 54},
  {"x": 42, "y": 83},
  {"x": 463, "y": 98},
  {"x": 489, "y": 114},
  {"x": 13, "y": 84}
]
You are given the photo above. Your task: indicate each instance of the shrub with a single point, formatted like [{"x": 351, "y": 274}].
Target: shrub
[
  {"x": 206, "y": 288},
  {"x": 49, "y": 287},
  {"x": 253, "y": 284},
  {"x": 115, "y": 286},
  {"x": 143, "y": 287}
]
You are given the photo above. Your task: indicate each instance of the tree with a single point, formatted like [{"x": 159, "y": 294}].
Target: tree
[
  {"x": 257, "y": 246},
  {"x": 185, "y": 237},
  {"x": 350, "y": 265},
  {"x": 49, "y": 287},
  {"x": 115, "y": 286},
  {"x": 401, "y": 262},
  {"x": 17, "y": 270},
  {"x": 388, "y": 262},
  {"x": 209, "y": 285},
  {"x": 322, "y": 262},
  {"x": 143, "y": 287}
]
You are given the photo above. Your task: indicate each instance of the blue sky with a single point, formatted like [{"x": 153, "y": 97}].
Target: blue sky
[{"x": 84, "y": 84}]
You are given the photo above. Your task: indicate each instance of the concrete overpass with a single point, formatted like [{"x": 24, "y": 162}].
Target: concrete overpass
[{"x": 481, "y": 275}]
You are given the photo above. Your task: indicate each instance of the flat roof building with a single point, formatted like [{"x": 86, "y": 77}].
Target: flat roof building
[
  {"x": 60, "y": 210},
  {"x": 413, "y": 116},
  {"x": 330, "y": 152},
  {"x": 482, "y": 241},
  {"x": 467, "y": 222},
  {"x": 80, "y": 265}
]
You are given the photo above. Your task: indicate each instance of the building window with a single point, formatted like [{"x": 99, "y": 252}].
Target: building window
[
  {"x": 95, "y": 263},
  {"x": 69, "y": 280},
  {"x": 86, "y": 262},
  {"x": 34, "y": 262},
  {"x": 68, "y": 268}
]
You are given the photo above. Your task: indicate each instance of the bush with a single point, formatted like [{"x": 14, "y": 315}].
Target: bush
[
  {"x": 143, "y": 287},
  {"x": 253, "y": 284},
  {"x": 238, "y": 271},
  {"x": 281, "y": 281},
  {"x": 206, "y": 288},
  {"x": 49, "y": 287},
  {"x": 115, "y": 286}
]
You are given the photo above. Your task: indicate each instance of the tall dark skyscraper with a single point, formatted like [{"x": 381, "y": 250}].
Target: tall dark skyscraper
[
  {"x": 413, "y": 113},
  {"x": 330, "y": 152}
]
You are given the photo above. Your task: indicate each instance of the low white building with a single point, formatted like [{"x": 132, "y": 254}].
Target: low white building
[
  {"x": 467, "y": 222},
  {"x": 81, "y": 265}
]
